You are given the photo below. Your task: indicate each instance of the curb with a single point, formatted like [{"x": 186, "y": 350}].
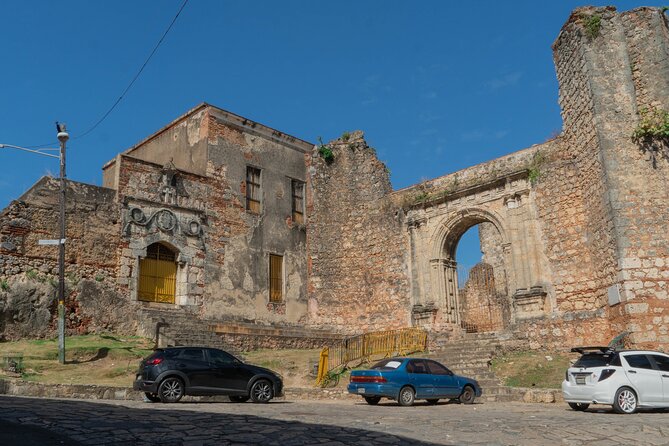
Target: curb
[{"x": 93, "y": 392}]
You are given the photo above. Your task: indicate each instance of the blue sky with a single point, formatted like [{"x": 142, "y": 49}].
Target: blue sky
[{"x": 436, "y": 86}]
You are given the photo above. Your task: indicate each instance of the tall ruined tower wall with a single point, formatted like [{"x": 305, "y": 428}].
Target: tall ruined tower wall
[{"x": 610, "y": 67}]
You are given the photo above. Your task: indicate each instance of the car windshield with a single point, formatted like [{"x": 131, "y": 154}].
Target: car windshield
[
  {"x": 387, "y": 364},
  {"x": 595, "y": 360}
]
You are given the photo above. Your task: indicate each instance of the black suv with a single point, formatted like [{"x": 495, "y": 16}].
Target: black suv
[{"x": 170, "y": 373}]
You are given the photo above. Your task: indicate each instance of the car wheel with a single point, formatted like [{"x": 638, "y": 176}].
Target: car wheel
[
  {"x": 152, "y": 397},
  {"x": 467, "y": 396},
  {"x": 625, "y": 401},
  {"x": 171, "y": 390},
  {"x": 579, "y": 406},
  {"x": 261, "y": 391},
  {"x": 238, "y": 398},
  {"x": 433, "y": 401},
  {"x": 407, "y": 396},
  {"x": 372, "y": 400}
]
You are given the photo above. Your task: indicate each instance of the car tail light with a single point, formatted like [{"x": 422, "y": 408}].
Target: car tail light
[
  {"x": 154, "y": 361},
  {"x": 606, "y": 373},
  {"x": 368, "y": 379},
  {"x": 566, "y": 375}
]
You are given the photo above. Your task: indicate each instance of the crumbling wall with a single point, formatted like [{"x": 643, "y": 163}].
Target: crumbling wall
[
  {"x": 29, "y": 272},
  {"x": 357, "y": 250}
]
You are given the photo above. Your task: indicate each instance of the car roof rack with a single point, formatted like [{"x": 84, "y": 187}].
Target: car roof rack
[{"x": 597, "y": 348}]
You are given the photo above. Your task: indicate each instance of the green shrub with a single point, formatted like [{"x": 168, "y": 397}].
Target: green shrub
[
  {"x": 592, "y": 25},
  {"x": 325, "y": 152}
]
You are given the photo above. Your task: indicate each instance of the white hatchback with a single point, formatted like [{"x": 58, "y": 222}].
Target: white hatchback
[{"x": 626, "y": 379}]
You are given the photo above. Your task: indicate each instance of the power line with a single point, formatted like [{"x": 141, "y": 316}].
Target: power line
[{"x": 146, "y": 62}]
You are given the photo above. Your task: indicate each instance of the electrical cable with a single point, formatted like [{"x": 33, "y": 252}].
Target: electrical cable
[{"x": 94, "y": 126}]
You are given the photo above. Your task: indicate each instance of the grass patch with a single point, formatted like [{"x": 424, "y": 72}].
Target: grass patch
[
  {"x": 532, "y": 369},
  {"x": 295, "y": 365},
  {"x": 90, "y": 359}
]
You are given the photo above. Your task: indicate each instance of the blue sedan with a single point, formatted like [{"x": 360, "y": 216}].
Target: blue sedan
[{"x": 408, "y": 379}]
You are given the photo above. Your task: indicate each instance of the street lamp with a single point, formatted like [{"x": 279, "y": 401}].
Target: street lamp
[{"x": 62, "y": 136}]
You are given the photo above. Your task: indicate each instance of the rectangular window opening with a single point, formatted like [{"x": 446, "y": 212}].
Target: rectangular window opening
[
  {"x": 275, "y": 278},
  {"x": 298, "y": 201},
  {"x": 253, "y": 189}
]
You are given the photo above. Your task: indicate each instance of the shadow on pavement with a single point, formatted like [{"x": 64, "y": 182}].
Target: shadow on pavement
[{"x": 49, "y": 422}]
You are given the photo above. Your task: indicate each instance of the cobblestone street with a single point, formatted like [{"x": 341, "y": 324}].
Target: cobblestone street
[{"x": 88, "y": 422}]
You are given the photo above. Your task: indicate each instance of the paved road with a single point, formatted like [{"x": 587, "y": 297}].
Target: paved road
[{"x": 47, "y": 421}]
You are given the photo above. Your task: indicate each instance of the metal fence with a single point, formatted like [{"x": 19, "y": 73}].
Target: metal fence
[
  {"x": 485, "y": 317},
  {"x": 363, "y": 347}
]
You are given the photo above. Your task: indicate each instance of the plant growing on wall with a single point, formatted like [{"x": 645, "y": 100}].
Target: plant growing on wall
[
  {"x": 4, "y": 285},
  {"x": 345, "y": 136},
  {"x": 652, "y": 133},
  {"x": 325, "y": 152},
  {"x": 592, "y": 24},
  {"x": 534, "y": 168}
]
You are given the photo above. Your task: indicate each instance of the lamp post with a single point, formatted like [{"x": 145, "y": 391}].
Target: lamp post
[{"x": 62, "y": 136}]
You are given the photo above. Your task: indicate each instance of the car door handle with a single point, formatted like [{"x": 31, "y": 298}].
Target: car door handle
[
  {"x": 665, "y": 376},
  {"x": 631, "y": 371}
]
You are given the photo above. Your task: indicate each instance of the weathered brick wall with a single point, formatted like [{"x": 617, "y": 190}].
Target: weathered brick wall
[
  {"x": 29, "y": 272},
  {"x": 358, "y": 277},
  {"x": 240, "y": 242}
]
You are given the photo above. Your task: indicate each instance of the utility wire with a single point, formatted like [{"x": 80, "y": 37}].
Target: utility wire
[{"x": 146, "y": 62}]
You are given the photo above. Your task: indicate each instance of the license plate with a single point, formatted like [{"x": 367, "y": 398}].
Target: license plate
[
  {"x": 361, "y": 390},
  {"x": 580, "y": 380}
]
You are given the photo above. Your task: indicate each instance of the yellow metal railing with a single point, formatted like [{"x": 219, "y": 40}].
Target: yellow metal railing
[{"x": 363, "y": 347}]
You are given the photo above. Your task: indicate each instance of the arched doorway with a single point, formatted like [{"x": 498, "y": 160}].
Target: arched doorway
[
  {"x": 157, "y": 274},
  {"x": 480, "y": 301}
]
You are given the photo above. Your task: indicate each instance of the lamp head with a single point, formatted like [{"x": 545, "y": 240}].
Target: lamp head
[{"x": 62, "y": 133}]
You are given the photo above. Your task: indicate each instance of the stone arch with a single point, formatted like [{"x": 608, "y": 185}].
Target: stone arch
[
  {"x": 443, "y": 245},
  {"x": 447, "y": 235}
]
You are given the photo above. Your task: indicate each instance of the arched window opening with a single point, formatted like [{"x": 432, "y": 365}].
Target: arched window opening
[{"x": 157, "y": 275}]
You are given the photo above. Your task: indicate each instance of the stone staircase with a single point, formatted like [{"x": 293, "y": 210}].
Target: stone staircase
[
  {"x": 471, "y": 355},
  {"x": 180, "y": 326}
]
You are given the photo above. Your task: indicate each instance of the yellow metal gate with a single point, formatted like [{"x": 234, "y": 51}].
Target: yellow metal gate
[{"x": 157, "y": 279}]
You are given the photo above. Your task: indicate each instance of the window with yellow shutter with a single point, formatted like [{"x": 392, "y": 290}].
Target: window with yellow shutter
[{"x": 275, "y": 278}]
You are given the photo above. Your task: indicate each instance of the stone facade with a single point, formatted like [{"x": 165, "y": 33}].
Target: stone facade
[{"x": 574, "y": 231}]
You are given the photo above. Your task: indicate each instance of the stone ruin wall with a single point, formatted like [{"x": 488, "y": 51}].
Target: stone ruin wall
[
  {"x": 493, "y": 254},
  {"x": 357, "y": 256},
  {"x": 29, "y": 272},
  {"x": 602, "y": 206},
  {"x": 640, "y": 193}
]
